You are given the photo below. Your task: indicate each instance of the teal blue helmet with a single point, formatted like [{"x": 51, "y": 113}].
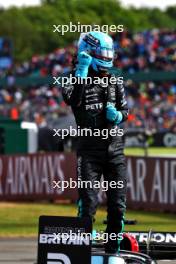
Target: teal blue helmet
[{"x": 100, "y": 46}]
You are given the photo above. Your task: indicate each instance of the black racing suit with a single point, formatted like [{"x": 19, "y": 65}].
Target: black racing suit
[{"x": 98, "y": 156}]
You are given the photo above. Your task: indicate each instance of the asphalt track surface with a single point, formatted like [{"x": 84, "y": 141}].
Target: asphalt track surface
[{"x": 24, "y": 251}]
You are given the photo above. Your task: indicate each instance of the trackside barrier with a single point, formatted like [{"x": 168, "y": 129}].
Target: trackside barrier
[{"x": 151, "y": 180}]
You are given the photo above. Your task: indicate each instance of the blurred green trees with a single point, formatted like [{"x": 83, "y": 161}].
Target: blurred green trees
[{"x": 31, "y": 28}]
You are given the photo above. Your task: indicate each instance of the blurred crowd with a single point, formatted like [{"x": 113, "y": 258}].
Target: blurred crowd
[
  {"x": 152, "y": 104},
  {"x": 146, "y": 51}
]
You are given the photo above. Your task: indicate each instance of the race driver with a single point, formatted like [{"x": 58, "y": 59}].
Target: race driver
[{"x": 99, "y": 106}]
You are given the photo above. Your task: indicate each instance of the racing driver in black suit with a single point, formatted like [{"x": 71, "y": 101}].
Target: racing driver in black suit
[{"x": 99, "y": 106}]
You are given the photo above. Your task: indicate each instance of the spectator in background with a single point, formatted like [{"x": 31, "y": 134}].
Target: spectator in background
[{"x": 152, "y": 104}]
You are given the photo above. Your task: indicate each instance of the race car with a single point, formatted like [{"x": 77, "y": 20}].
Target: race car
[
  {"x": 136, "y": 247},
  {"x": 125, "y": 257},
  {"x": 129, "y": 253}
]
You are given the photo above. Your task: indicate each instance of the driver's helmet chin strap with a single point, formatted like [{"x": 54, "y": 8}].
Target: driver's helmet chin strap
[{"x": 100, "y": 73}]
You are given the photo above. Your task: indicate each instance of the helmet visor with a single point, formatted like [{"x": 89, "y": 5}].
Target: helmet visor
[{"x": 105, "y": 54}]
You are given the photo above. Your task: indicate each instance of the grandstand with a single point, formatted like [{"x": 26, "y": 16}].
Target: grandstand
[{"x": 152, "y": 103}]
